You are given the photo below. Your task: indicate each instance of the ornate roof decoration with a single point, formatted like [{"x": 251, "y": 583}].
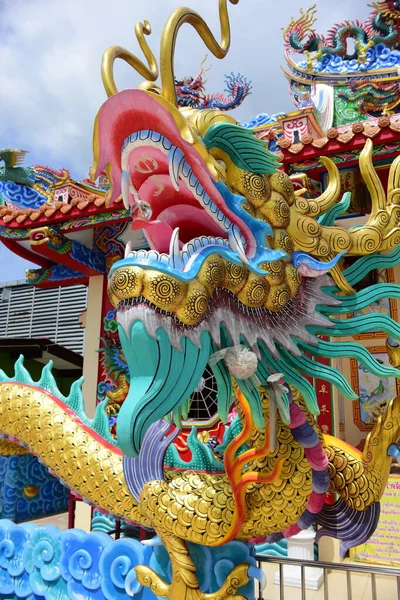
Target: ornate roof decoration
[
  {"x": 339, "y": 92},
  {"x": 342, "y": 136},
  {"x": 365, "y": 78},
  {"x": 190, "y": 91},
  {"x": 29, "y": 196},
  {"x": 74, "y": 202},
  {"x": 375, "y": 41}
]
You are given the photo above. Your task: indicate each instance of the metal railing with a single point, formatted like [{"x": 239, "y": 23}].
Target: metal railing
[{"x": 326, "y": 567}]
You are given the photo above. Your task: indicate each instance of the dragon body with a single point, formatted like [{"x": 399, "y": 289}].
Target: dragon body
[
  {"x": 190, "y": 92},
  {"x": 374, "y": 98},
  {"x": 381, "y": 27},
  {"x": 243, "y": 278},
  {"x": 189, "y": 505}
]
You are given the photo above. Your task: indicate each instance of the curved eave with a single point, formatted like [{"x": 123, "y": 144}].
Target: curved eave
[
  {"x": 309, "y": 150},
  {"x": 25, "y": 252},
  {"x": 61, "y": 213},
  {"x": 304, "y": 76}
]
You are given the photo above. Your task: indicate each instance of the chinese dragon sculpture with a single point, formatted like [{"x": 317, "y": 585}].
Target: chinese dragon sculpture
[
  {"x": 243, "y": 275},
  {"x": 190, "y": 92},
  {"x": 381, "y": 27}
]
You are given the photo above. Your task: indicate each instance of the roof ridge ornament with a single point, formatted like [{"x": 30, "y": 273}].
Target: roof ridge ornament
[{"x": 380, "y": 30}]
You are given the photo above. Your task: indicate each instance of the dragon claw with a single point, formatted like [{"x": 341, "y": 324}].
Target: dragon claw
[{"x": 182, "y": 588}]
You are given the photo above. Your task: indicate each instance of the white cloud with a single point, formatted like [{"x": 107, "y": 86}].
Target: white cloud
[{"x": 50, "y": 84}]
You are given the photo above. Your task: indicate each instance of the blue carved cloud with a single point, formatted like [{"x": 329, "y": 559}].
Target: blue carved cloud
[
  {"x": 79, "y": 563},
  {"x": 13, "y": 578},
  {"x": 378, "y": 57},
  {"x": 42, "y": 562},
  {"x": 117, "y": 565},
  {"x": 21, "y": 196}
]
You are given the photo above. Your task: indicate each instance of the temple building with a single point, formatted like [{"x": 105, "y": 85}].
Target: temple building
[{"x": 74, "y": 234}]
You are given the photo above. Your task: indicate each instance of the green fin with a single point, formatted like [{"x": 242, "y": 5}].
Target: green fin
[
  {"x": 245, "y": 150},
  {"x": 328, "y": 219}
]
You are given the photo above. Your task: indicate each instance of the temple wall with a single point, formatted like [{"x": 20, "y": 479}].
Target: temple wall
[
  {"x": 92, "y": 324},
  {"x": 92, "y": 342}
]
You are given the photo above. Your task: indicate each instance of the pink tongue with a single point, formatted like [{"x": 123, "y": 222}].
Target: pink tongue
[
  {"x": 191, "y": 221},
  {"x": 158, "y": 234}
]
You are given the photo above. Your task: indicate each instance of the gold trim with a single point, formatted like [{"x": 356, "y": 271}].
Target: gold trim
[
  {"x": 150, "y": 72},
  {"x": 167, "y": 50},
  {"x": 340, "y": 76},
  {"x": 169, "y": 36}
]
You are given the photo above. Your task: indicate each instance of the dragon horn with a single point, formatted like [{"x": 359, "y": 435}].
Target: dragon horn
[
  {"x": 150, "y": 71},
  {"x": 169, "y": 36}
]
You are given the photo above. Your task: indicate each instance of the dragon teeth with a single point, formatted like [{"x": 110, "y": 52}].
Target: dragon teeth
[
  {"x": 185, "y": 257},
  {"x": 153, "y": 255},
  {"x": 221, "y": 217},
  {"x": 178, "y": 169},
  {"x": 128, "y": 248},
  {"x": 164, "y": 258},
  {"x": 144, "y": 134},
  {"x": 174, "y": 252},
  {"x": 175, "y": 163},
  {"x": 202, "y": 242},
  {"x": 236, "y": 243},
  {"x": 149, "y": 254},
  {"x": 156, "y": 137},
  {"x": 152, "y": 138},
  {"x": 176, "y": 259},
  {"x": 125, "y": 188},
  {"x": 199, "y": 190}
]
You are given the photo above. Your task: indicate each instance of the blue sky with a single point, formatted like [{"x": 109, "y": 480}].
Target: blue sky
[{"x": 50, "y": 68}]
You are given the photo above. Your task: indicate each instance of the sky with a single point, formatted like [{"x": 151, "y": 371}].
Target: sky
[{"x": 50, "y": 83}]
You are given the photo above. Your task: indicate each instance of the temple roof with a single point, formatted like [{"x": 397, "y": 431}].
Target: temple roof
[
  {"x": 350, "y": 47},
  {"x": 358, "y": 61},
  {"x": 340, "y": 137},
  {"x": 59, "y": 211},
  {"x": 33, "y": 196}
]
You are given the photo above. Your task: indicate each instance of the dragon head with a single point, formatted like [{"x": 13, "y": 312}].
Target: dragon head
[
  {"x": 388, "y": 9},
  {"x": 211, "y": 200},
  {"x": 235, "y": 252}
]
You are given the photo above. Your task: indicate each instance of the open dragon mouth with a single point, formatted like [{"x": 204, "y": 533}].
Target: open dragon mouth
[
  {"x": 169, "y": 181},
  {"x": 169, "y": 203},
  {"x": 170, "y": 196},
  {"x": 210, "y": 278},
  {"x": 164, "y": 186}
]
